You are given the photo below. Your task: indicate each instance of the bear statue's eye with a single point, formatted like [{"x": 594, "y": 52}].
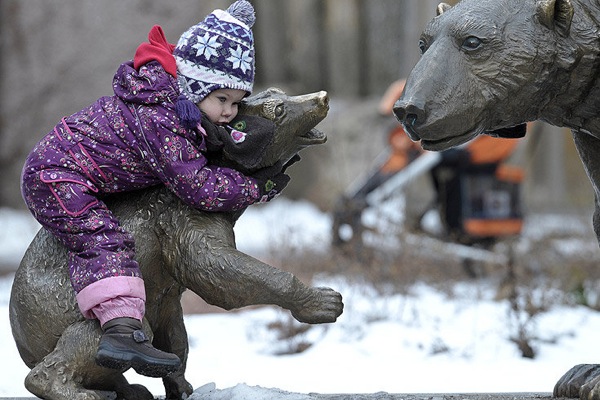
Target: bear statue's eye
[
  {"x": 279, "y": 110},
  {"x": 422, "y": 46},
  {"x": 273, "y": 108},
  {"x": 471, "y": 43}
]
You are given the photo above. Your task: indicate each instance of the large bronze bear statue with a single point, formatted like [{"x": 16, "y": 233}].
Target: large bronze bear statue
[
  {"x": 492, "y": 65},
  {"x": 178, "y": 248}
]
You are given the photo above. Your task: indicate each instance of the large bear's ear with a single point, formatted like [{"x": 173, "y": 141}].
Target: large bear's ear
[
  {"x": 442, "y": 8},
  {"x": 556, "y": 14}
]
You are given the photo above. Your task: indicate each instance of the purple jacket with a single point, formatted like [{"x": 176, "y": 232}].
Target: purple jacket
[{"x": 133, "y": 140}]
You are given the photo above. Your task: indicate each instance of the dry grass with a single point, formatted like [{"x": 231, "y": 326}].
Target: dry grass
[{"x": 539, "y": 275}]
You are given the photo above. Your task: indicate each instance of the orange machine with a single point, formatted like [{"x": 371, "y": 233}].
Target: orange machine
[{"x": 478, "y": 194}]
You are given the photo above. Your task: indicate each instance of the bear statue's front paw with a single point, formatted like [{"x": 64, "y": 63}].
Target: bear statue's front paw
[
  {"x": 582, "y": 381},
  {"x": 177, "y": 387},
  {"x": 320, "y": 305}
]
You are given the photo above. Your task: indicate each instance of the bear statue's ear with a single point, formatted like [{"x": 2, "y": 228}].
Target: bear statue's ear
[
  {"x": 556, "y": 14},
  {"x": 442, "y": 8}
]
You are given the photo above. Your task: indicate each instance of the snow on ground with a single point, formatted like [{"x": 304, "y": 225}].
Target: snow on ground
[
  {"x": 17, "y": 228},
  {"x": 420, "y": 342}
]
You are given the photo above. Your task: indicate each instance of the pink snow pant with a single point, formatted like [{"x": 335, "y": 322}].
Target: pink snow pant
[{"x": 102, "y": 267}]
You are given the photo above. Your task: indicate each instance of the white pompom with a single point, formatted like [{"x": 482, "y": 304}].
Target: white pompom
[{"x": 243, "y": 11}]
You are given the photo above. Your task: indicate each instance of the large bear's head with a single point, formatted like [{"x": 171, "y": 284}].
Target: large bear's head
[{"x": 492, "y": 64}]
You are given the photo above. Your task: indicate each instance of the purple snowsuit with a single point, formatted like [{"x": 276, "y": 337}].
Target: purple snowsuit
[{"x": 127, "y": 141}]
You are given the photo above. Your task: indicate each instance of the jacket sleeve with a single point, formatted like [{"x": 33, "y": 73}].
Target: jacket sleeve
[{"x": 180, "y": 164}]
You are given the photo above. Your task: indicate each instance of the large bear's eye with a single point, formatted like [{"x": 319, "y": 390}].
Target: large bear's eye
[{"x": 471, "y": 43}]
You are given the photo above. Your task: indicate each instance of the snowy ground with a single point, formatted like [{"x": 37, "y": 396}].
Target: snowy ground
[{"x": 422, "y": 342}]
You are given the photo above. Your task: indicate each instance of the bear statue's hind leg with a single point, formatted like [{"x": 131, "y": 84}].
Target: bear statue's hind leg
[
  {"x": 176, "y": 386},
  {"x": 133, "y": 392},
  {"x": 170, "y": 335},
  {"x": 40, "y": 383},
  {"x": 57, "y": 376},
  {"x": 48, "y": 385},
  {"x": 70, "y": 372}
]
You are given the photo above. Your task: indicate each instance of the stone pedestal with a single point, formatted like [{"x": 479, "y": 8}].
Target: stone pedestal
[{"x": 389, "y": 396}]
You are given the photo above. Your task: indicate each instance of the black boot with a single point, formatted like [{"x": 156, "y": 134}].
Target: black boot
[{"x": 124, "y": 345}]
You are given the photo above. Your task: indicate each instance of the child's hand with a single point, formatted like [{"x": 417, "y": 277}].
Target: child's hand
[
  {"x": 215, "y": 135},
  {"x": 271, "y": 181},
  {"x": 291, "y": 162}
]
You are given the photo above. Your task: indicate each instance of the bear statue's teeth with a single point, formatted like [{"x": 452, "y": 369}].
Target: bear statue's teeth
[{"x": 315, "y": 136}]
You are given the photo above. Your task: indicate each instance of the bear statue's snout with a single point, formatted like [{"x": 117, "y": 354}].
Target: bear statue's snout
[
  {"x": 322, "y": 102},
  {"x": 411, "y": 114},
  {"x": 313, "y": 107},
  {"x": 308, "y": 112}
]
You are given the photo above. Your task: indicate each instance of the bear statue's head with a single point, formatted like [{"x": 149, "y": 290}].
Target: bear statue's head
[{"x": 272, "y": 126}]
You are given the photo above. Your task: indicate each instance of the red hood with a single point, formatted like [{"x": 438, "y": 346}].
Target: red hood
[{"x": 158, "y": 49}]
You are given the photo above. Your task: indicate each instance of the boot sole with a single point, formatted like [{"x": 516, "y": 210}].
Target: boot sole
[{"x": 116, "y": 359}]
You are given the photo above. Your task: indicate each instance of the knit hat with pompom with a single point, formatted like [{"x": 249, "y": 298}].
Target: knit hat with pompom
[{"x": 216, "y": 53}]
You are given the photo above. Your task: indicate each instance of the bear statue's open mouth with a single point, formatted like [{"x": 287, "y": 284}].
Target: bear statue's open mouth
[{"x": 312, "y": 137}]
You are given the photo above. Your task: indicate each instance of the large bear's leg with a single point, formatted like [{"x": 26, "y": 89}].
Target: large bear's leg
[
  {"x": 583, "y": 380},
  {"x": 228, "y": 278},
  {"x": 588, "y": 148}
]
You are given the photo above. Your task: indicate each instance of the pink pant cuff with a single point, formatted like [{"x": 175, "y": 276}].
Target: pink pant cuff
[
  {"x": 108, "y": 298},
  {"x": 122, "y": 306}
]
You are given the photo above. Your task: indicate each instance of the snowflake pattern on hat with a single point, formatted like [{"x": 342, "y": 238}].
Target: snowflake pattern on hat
[{"x": 207, "y": 46}]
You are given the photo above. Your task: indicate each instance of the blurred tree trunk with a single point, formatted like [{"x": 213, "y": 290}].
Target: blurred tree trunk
[{"x": 58, "y": 56}]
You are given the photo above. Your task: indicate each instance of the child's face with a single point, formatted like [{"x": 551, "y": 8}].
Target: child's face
[{"x": 221, "y": 105}]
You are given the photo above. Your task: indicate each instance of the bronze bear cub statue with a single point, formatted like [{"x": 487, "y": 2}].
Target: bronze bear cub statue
[{"x": 178, "y": 248}]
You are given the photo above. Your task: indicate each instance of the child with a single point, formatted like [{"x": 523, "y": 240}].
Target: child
[{"x": 151, "y": 131}]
